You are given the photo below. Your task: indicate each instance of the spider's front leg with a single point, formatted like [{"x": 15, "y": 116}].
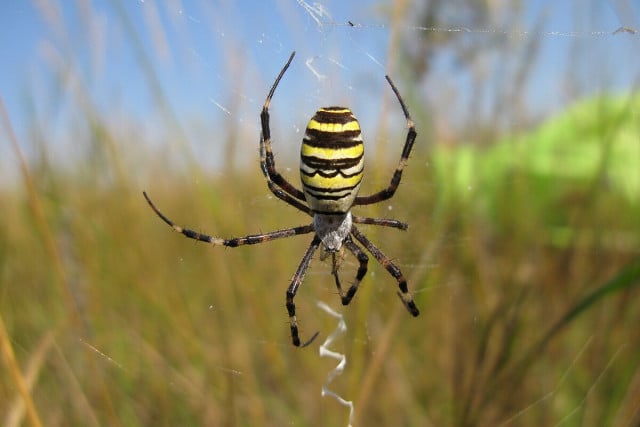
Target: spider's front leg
[
  {"x": 363, "y": 261},
  {"x": 403, "y": 293},
  {"x": 293, "y": 289}
]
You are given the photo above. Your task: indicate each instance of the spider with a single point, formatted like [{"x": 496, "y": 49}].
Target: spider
[{"x": 331, "y": 168}]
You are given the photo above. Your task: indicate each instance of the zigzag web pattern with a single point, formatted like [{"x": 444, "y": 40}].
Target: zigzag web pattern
[{"x": 324, "y": 351}]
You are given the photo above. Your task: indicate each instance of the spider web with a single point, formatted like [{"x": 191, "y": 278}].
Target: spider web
[
  {"x": 228, "y": 56},
  {"x": 215, "y": 61},
  {"x": 343, "y": 54}
]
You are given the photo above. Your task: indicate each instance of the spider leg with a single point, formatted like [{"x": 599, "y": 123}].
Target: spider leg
[
  {"x": 267, "y": 161},
  {"x": 404, "y": 294},
  {"x": 384, "y": 222},
  {"x": 279, "y": 192},
  {"x": 335, "y": 266},
  {"x": 293, "y": 289},
  {"x": 238, "y": 241},
  {"x": 388, "y": 192},
  {"x": 363, "y": 259}
]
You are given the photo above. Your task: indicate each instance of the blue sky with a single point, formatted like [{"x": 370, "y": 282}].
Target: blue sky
[{"x": 214, "y": 62}]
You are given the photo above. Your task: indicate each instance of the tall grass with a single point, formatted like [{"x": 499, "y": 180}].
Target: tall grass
[
  {"x": 527, "y": 285},
  {"x": 151, "y": 328}
]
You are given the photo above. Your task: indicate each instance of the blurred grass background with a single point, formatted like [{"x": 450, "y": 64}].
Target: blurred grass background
[{"x": 523, "y": 254}]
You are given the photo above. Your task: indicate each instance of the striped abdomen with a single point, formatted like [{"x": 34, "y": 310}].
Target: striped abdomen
[{"x": 331, "y": 160}]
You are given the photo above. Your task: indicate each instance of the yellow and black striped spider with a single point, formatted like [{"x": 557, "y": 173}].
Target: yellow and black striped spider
[{"x": 331, "y": 165}]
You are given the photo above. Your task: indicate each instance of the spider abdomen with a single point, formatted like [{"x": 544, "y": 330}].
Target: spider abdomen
[{"x": 331, "y": 160}]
